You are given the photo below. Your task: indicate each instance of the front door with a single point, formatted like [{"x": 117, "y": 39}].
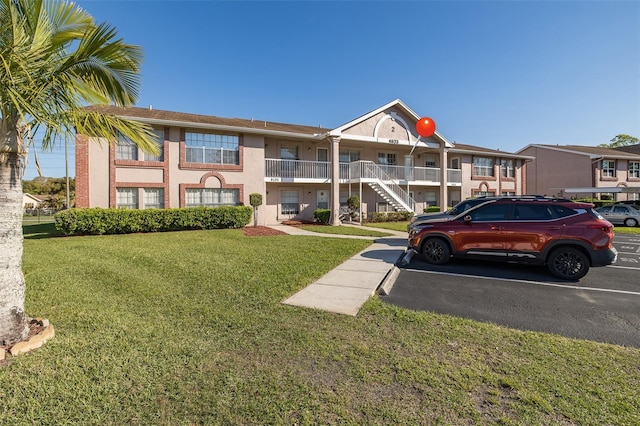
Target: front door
[{"x": 322, "y": 199}]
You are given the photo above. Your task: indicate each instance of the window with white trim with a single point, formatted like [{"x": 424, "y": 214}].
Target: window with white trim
[
  {"x": 153, "y": 198},
  {"x": 160, "y": 141},
  {"x": 127, "y": 198},
  {"x": 506, "y": 168},
  {"x": 211, "y": 197},
  {"x": 289, "y": 202},
  {"x": 634, "y": 169},
  {"x": 126, "y": 149},
  {"x": 212, "y": 148},
  {"x": 483, "y": 166},
  {"x": 608, "y": 168},
  {"x": 455, "y": 163}
]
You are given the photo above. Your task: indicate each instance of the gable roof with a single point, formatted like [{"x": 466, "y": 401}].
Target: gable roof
[
  {"x": 395, "y": 103},
  {"x": 593, "y": 152},
  {"x": 182, "y": 119}
]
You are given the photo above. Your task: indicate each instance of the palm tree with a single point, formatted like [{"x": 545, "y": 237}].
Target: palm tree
[{"x": 54, "y": 61}]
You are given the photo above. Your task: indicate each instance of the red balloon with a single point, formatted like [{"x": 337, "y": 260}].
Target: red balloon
[{"x": 426, "y": 127}]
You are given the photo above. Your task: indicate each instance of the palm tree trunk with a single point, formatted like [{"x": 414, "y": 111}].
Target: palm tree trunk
[{"x": 13, "y": 321}]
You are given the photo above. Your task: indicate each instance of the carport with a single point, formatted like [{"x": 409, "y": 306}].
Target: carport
[{"x": 602, "y": 190}]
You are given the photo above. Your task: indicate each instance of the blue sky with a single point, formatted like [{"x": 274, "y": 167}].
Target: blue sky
[{"x": 497, "y": 74}]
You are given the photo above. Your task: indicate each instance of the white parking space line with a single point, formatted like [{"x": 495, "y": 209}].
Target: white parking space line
[
  {"x": 635, "y": 268},
  {"x": 565, "y": 286}
]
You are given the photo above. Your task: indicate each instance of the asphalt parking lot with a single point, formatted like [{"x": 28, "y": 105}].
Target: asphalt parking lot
[{"x": 603, "y": 306}]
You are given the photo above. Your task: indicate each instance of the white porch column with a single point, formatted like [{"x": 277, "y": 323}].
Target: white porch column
[
  {"x": 444, "y": 183},
  {"x": 335, "y": 180}
]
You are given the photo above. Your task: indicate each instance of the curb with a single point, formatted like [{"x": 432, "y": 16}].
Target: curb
[{"x": 388, "y": 281}]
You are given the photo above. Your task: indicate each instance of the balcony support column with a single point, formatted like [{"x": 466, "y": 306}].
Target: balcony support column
[
  {"x": 444, "y": 183},
  {"x": 335, "y": 180}
]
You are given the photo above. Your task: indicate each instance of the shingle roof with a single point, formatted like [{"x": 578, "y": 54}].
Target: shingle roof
[
  {"x": 634, "y": 149},
  {"x": 157, "y": 114},
  {"x": 591, "y": 150},
  {"x": 460, "y": 147}
]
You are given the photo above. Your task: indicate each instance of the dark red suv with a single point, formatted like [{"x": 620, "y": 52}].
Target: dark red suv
[{"x": 567, "y": 236}]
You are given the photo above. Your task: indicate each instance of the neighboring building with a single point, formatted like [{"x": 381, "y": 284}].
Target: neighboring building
[
  {"x": 211, "y": 161},
  {"x": 634, "y": 149},
  {"x": 30, "y": 202},
  {"x": 582, "y": 171}
]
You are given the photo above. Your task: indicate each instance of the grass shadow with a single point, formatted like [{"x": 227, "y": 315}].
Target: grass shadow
[{"x": 40, "y": 231}]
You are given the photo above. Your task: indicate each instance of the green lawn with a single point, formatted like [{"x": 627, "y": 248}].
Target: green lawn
[
  {"x": 394, "y": 226},
  {"x": 344, "y": 230},
  {"x": 188, "y": 328}
]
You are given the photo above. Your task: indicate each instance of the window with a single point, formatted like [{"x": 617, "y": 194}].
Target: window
[
  {"x": 349, "y": 156},
  {"x": 387, "y": 159},
  {"x": 533, "y": 212},
  {"x": 211, "y": 197},
  {"x": 506, "y": 168},
  {"x": 508, "y": 194},
  {"x": 153, "y": 198},
  {"x": 160, "y": 141},
  {"x": 211, "y": 148},
  {"x": 430, "y": 198},
  {"x": 634, "y": 169},
  {"x": 484, "y": 194},
  {"x": 289, "y": 152},
  {"x": 126, "y": 149},
  {"x": 430, "y": 161},
  {"x": 482, "y": 166},
  {"x": 490, "y": 212},
  {"x": 455, "y": 163},
  {"x": 608, "y": 168},
  {"x": 289, "y": 202},
  {"x": 127, "y": 198},
  {"x": 384, "y": 207}
]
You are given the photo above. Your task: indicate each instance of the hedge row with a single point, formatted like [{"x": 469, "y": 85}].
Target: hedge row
[
  {"x": 390, "y": 216},
  {"x": 122, "y": 221}
]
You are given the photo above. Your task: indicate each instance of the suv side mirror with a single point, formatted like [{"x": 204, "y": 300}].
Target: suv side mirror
[{"x": 467, "y": 218}]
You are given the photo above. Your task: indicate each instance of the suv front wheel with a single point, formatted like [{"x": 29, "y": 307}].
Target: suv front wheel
[
  {"x": 436, "y": 251},
  {"x": 568, "y": 263}
]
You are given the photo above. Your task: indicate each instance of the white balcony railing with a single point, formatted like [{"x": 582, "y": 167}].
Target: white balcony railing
[{"x": 321, "y": 170}]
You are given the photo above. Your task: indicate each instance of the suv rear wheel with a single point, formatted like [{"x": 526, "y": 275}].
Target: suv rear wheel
[
  {"x": 436, "y": 251},
  {"x": 568, "y": 263}
]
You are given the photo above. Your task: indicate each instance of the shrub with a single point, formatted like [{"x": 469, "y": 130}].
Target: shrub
[
  {"x": 322, "y": 215},
  {"x": 353, "y": 203},
  {"x": 431, "y": 209},
  {"x": 122, "y": 221},
  {"x": 390, "y": 216}
]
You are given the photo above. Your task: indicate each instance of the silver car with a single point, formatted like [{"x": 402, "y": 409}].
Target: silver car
[{"x": 621, "y": 214}]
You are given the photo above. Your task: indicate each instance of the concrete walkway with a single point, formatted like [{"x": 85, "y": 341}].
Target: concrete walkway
[{"x": 346, "y": 288}]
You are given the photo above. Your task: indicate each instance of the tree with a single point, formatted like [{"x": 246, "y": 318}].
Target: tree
[
  {"x": 621, "y": 140},
  {"x": 55, "y": 60},
  {"x": 255, "y": 200},
  {"x": 54, "y": 191}
]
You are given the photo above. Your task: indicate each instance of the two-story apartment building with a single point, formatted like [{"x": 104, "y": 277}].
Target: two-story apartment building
[
  {"x": 582, "y": 171},
  {"x": 211, "y": 161}
]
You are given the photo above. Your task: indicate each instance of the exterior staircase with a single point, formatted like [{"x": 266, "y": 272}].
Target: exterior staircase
[{"x": 388, "y": 189}]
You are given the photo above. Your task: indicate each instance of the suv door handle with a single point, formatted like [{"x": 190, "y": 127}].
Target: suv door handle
[
  {"x": 553, "y": 228},
  {"x": 496, "y": 228}
]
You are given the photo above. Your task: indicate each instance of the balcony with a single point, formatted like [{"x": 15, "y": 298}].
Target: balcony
[{"x": 298, "y": 171}]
